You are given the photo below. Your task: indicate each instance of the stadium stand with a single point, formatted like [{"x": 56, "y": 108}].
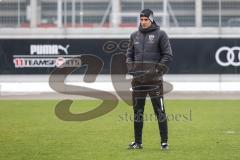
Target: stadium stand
[{"x": 98, "y": 13}]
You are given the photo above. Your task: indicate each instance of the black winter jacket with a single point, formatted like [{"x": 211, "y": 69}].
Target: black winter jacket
[{"x": 148, "y": 49}]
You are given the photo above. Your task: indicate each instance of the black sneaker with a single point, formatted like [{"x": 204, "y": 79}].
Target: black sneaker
[
  {"x": 135, "y": 145},
  {"x": 164, "y": 146}
]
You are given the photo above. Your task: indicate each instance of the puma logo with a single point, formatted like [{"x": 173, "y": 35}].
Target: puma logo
[
  {"x": 48, "y": 49},
  {"x": 65, "y": 49}
]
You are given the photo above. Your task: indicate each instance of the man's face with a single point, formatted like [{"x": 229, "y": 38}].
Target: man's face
[{"x": 145, "y": 22}]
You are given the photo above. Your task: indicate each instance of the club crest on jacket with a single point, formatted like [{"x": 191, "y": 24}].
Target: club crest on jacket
[{"x": 151, "y": 37}]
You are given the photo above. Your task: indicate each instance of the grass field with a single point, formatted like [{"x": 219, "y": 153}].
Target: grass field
[{"x": 29, "y": 130}]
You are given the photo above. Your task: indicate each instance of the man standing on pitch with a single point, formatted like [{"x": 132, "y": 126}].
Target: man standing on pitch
[{"x": 148, "y": 56}]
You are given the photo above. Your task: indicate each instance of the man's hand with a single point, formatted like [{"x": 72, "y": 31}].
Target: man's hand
[
  {"x": 161, "y": 68},
  {"x": 130, "y": 68}
]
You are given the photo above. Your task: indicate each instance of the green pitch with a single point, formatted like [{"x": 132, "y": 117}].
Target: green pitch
[{"x": 198, "y": 130}]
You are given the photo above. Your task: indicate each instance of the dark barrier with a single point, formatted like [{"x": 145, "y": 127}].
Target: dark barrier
[{"x": 41, "y": 56}]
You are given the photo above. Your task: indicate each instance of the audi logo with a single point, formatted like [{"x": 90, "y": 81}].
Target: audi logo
[{"x": 230, "y": 54}]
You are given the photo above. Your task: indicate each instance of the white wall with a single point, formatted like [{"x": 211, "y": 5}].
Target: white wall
[{"x": 181, "y": 83}]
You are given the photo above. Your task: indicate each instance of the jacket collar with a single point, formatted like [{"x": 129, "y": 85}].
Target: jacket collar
[{"x": 153, "y": 27}]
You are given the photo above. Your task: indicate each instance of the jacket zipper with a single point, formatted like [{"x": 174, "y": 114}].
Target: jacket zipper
[
  {"x": 144, "y": 37},
  {"x": 144, "y": 42}
]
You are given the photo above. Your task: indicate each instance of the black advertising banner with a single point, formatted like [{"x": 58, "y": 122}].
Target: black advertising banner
[
  {"x": 206, "y": 56},
  {"x": 41, "y": 56},
  {"x": 30, "y": 56}
]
